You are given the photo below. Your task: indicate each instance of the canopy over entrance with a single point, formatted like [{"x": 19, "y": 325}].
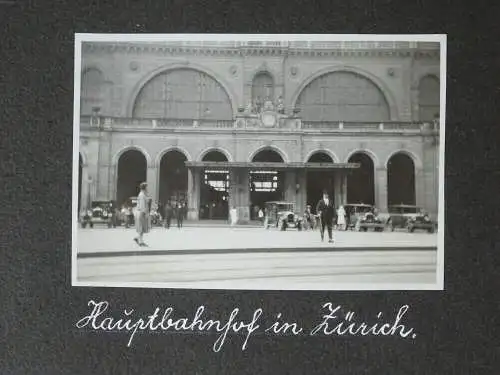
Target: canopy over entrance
[{"x": 271, "y": 166}]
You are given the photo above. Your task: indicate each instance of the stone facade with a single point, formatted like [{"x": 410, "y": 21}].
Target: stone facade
[{"x": 126, "y": 67}]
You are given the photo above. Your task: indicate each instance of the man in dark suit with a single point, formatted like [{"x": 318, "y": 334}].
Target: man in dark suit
[{"x": 327, "y": 213}]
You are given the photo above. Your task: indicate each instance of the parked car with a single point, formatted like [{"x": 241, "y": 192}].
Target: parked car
[
  {"x": 423, "y": 222},
  {"x": 101, "y": 213},
  {"x": 370, "y": 221},
  {"x": 399, "y": 215},
  {"x": 354, "y": 212},
  {"x": 282, "y": 215}
]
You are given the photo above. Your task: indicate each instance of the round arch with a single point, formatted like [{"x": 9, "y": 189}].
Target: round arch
[
  {"x": 279, "y": 151},
  {"x": 322, "y": 151},
  {"x": 370, "y": 153},
  {"x": 131, "y": 169},
  {"x": 172, "y": 148},
  {"x": 83, "y": 157},
  {"x": 416, "y": 160},
  {"x": 430, "y": 72},
  {"x": 379, "y": 83},
  {"x": 116, "y": 157},
  {"x": 401, "y": 179},
  {"x": 172, "y": 175},
  {"x": 226, "y": 153},
  {"x": 173, "y": 66}
]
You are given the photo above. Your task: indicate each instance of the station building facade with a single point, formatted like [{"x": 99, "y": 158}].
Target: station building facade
[{"x": 236, "y": 124}]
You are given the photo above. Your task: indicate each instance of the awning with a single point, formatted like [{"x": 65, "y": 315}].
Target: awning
[{"x": 270, "y": 166}]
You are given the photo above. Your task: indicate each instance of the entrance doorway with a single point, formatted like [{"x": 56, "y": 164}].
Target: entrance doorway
[
  {"x": 132, "y": 169},
  {"x": 317, "y": 181},
  {"x": 400, "y": 180},
  {"x": 173, "y": 178},
  {"x": 265, "y": 185},
  {"x": 360, "y": 182},
  {"x": 214, "y": 190}
]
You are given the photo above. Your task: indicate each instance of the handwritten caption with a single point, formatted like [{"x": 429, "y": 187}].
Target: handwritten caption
[{"x": 333, "y": 322}]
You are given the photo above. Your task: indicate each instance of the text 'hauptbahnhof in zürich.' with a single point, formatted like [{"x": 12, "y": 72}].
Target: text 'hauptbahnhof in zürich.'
[{"x": 237, "y": 124}]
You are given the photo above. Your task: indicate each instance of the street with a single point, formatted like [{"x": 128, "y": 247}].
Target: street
[{"x": 255, "y": 258}]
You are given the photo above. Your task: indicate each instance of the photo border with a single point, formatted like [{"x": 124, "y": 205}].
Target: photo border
[{"x": 89, "y": 37}]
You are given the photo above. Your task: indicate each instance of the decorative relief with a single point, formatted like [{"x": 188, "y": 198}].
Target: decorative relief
[
  {"x": 391, "y": 72},
  {"x": 134, "y": 66},
  {"x": 294, "y": 71},
  {"x": 233, "y": 70}
]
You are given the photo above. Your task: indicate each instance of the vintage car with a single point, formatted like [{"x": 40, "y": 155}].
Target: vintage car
[
  {"x": 354, "y": 212},
  {"x": 423, "y": 222},
  {"x": 282, "y": 215},
  {"x": 399, "y": 215},
  {"x": 101, "y": 212},
  {"x": 370, "y": 221}
]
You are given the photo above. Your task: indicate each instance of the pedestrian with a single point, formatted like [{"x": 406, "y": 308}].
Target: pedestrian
[
  {"x": 234, "y": 216},
  {"x": 326, "y": 211},
  {"x": 168, "y": 214},
  {"x": 142, "y": 220},
  {"x": 341, "y": 218},
  {"x": 261, "y": 215},
  {"x": 180, "y": 215}
]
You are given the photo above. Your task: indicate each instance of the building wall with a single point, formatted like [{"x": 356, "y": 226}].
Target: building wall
[{"x": 127, "y": 70}]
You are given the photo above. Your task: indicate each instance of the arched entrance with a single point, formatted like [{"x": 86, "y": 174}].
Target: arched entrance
[
  {"x": 132, "y": 171},
  {"x": 173, "y": 178},
  {"x": 183, "y": 94},
  {"x": 343, "y": 96},
  {"x": 265, "y": 185},
  {"x": 400, "y": 180},
  {"x": 214, "y": 191},
  {"x": 361, "y": 182},
  {"x": 317, "y": 181},
  {"x": 80, "y": 180}
]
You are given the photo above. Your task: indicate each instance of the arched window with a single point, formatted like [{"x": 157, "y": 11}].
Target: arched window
[
  {"x": 262, "y": 88},
  {"x": 183, "y": 94},
  {"x": 343, "y": 96}
]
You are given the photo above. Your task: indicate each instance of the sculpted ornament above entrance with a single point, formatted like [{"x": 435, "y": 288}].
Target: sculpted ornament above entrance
[{"x": 266, "y": 114}]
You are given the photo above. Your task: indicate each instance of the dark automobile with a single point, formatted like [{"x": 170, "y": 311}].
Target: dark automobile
[
  {"x": 282, "y": 215},
  {"x": 422, "y": 222},
  {"x": 370, "y": 221},
  {"x": 354, "y": 212},
  {"x": 399, "y": 215},
  {"x": 101, "y": 212}
]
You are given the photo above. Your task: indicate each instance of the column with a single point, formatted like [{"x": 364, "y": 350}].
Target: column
[
  {"x": 302, "y": 193},
  {"x": 193, "y": 194},
  {"x": 243, "y": 204},
  {"x": 152, "y": 181},
  {"x": 420, "y": 188},
  {"x": 343, "y": 188},
  {"x": 337, "y": 187},
  {"x": 84, "y": 193},
  {"x": 290, "y": 186},
  {"x": 381, "y": 189}
]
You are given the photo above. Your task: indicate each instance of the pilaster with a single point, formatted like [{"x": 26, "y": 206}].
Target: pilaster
[{"x": 381, "y": 189}]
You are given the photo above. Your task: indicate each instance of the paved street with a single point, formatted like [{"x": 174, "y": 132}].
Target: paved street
[{"x": 255, "y": 258}]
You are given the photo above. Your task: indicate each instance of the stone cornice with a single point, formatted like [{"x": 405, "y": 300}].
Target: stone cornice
[{"x": 145, "y": 48}]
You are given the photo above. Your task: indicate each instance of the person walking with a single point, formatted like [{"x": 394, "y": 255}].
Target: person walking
[
  {"x": 142, "y": 221},
  {"x": 180, "y": 215},
  {"x": 341, "y": 218},
  {"x": 168, "y": 214},
  {"x": 327, "y": 213},
  {"x": 234, "y": 216}
]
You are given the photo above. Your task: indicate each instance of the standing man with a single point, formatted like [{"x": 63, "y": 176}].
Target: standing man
[
  {"x": 326, "y": 212},
  {"x": 142, "y": 223},
  {"x": 168, "y": 215},
  {"x": 180, "y": 215}
]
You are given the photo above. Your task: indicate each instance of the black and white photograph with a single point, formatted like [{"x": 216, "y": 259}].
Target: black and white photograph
[{"x": 259, "y": 162}]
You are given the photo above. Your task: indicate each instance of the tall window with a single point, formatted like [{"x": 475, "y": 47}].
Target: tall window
[
  {"x": 92, "y": 87},
  {"x": 262, "y": 87},
  {"x": 428, "y": 98}
]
